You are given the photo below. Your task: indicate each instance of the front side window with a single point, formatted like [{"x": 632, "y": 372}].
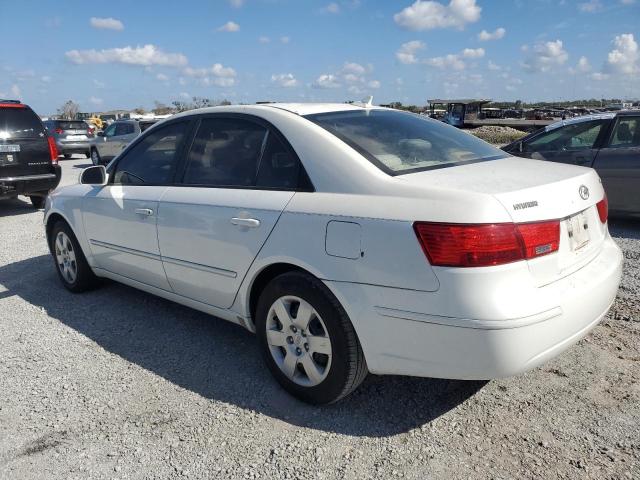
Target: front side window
[
  {"x": 626, "y": 133},
  {"x": 152, "y": 160},
  {"x": 225, "y": 153},
  {"x": 577, "y": 136},
  {"x": 398, "y": 142}
]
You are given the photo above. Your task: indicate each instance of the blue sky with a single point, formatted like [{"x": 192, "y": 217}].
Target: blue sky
[{"x": 124, "y": 54}]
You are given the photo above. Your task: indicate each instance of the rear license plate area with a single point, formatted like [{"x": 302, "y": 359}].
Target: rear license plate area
[
  {"x": 578, "y": 231},
  {"x": 8, "y": 159}
]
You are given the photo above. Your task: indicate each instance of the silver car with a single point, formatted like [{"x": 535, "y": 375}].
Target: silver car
[
  {"x": 109, "y": 143},
  {"x": 71, "y": 136}
]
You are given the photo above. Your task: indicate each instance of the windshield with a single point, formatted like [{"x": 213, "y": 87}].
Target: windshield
[
  {"x": 72, "y": 125},
  {"x": 19, "y": 123},
  {"x": 398, "y": 142}
]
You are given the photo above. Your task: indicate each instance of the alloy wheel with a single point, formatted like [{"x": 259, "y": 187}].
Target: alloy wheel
[
  {"x": 66, "y": 258},
  {"x": 298, "y": 341}
]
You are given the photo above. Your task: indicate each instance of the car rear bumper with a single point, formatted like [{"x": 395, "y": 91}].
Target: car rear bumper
[
  {"x": 404, "y": 341},
  {"x": 30, "y": 184},
  {"x": 73, "y": 147}
]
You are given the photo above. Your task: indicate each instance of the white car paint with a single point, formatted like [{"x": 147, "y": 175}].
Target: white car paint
[{"x": 355, "y": 233}]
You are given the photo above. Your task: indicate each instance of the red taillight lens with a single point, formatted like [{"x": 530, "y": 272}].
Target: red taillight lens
[
  {"x": 459, "y": 245},
  {"x": 12, "y": 105},
  {"x": 53, "y": 150},
  {"x": 603, "y": 209},
  {"x": 58, "y": 131}
]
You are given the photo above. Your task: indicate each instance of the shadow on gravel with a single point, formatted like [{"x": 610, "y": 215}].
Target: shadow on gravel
[
  {"x": 15, "y": 206},
  {"x": 623, "y": 227},
  {"x": 219, "y": 360},
  {"x": 82, "y": 166}
]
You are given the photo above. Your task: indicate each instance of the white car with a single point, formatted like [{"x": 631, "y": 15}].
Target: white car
[{"x": 350, "y": 238}]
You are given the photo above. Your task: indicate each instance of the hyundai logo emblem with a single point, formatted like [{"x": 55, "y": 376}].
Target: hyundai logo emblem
[{"x": 584, "y": 192}]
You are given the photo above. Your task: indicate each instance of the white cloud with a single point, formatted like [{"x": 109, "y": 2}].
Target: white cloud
[
  {"x": 15, "y": 91},
  {"x": 583, "y": 66},
  {"x": 450, "y": 61},
  {"x": 98, "y": 83},
  {"x": 286, "y": 80},
  {"x": 625, "y": 57},
  {"x": 332, "y": 8},
  {"x": 473, "y": 53},
  {"x": 182, "y": 81},
  {"x": 45, "y": 78},
  {"x": 229, "y": 27},
  {"x": 591, "y": 6},
  {"x": 264, "y": 39},
  {"x": 355, "y": 68},
  {"x": 285, "y": 39},
  {"x": 106, "y": 23},
  {"x": 326, "y": 81},
  {"x": 497, "y": 34},
  {"x": 544, "y": 56},
  {"x": 184, "y": 95},
  {"x": 146, "y": 55},
  {"x": 374, "y": 84},
  {"x": 426, "y": 15},
  {"x": 162, "y": 77},
  {"x": 217, "y": 75},
  {"x": 598, "y": 76},
  {"x": 95, "y": 100},
  {"x": 493, "y": 66},
  {"x": 236, "y": 3},
  {"x": 407, "y": 52}
]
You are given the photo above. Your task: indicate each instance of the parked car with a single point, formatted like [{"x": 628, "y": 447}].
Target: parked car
[
  {"x": 28, "y": 156},
  {"x": 71, "y": 136},
  {"x": 350, "y": 238},
  {"x": 608, "y": 142},
  {"x": 115, "y": 138}
]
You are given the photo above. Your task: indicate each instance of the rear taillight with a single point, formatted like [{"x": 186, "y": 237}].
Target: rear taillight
[
  {"x": 482, "y": 245},
  {"x": 53, "y": 150},
  {"x": 603, "y": 209},
  {"x": 58, "y": 131}
]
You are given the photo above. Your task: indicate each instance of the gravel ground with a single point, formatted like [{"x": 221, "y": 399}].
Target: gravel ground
[
  {"x": 119, "y": 384},
  {"x": 498, "y": 136}
]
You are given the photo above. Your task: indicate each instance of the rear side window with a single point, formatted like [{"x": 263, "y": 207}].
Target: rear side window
[
  {"x": 145, "y": 125},
  {"x": 153, "y": 159},
  {"x": 123, "y": 129},
  {"x": 398, "y": 142},
  {"x": 225, "y": 153},
  {"x": 627, "y": 133},
  {"x": 576, "y": 136},
  {"x": 19, "y": 123},
  {"x": 278, "y": 168}
]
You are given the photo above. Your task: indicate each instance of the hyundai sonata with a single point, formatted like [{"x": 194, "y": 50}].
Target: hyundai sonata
[{"x": 350, "y": 239}]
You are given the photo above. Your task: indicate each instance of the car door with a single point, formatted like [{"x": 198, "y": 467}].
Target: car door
[
  {"x": 124, "y": 135},
  {"x": 618, "y": 164},
  {"x": 238, "y": 177},
  {"x": 104, "y": 143},
  {"x": 573, "y": 143},
  {"x": 120, "y": 217}
]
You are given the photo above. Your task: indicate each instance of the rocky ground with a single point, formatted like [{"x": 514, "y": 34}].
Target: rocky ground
[
  {"x": 118, "y": 384},
  {"x": 497, "y": 135}
]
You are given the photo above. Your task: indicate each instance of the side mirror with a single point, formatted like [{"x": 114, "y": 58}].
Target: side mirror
[
  {"x": 96, "y": 175},
  {"x": 100, "y": 134}
]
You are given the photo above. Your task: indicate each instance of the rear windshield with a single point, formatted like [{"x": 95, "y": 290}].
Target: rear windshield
[
  {"x": 19, "y": 123},
  {"x": 71, "y": 125},
  {"x": 145, "y": 125},
  {"x": 399, "y": 142}
]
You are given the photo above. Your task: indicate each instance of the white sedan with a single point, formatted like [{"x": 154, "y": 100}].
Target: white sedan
[{"x": 350, "y": 239}]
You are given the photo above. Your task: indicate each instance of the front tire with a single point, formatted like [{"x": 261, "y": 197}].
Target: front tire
[
  {"x": 95, "y": 156},
  {"x": 67, "y": 156},
  {"x": 71, "y": 264},
  {"x": 307, "y": 339}
]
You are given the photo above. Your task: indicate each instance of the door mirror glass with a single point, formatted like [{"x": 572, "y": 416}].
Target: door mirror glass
[{"x": 96, "y": 175}]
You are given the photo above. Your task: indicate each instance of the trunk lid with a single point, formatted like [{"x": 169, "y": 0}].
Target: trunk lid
[{"x": 532, "y": 191}]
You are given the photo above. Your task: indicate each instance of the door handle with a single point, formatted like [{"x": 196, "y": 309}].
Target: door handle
[
  {"x": 144, "y": 211},
  {"x": 246, "y": 222}
]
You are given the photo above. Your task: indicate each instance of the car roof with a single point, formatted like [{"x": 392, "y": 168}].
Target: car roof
[
  {"x": 295, "y": 108},
  {"x": 581, "y": 119}
]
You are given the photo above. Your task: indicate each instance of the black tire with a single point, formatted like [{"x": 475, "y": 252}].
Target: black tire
[
  {"x": 85, "y": 278},
  {"x": 95, "y": 156},
  {"x": 348, "y": 367},
  {"x": 87, "y": 154},
  {"x": 37, "y": 201},
  {"x": 67, "y": 156}
]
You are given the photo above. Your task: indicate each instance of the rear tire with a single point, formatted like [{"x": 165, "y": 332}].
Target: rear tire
[
  {"x": 67, "y": 156},
  {"x": 87, "y": 154},
  {"x": 95, "y": 156},
  {"x": 318, "y": 361},
  {"x": 37, "y": 202},
  {"x": 71, "y": 264}
]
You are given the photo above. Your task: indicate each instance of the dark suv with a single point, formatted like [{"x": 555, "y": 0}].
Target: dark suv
[{"x": 28, "y": 155}]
